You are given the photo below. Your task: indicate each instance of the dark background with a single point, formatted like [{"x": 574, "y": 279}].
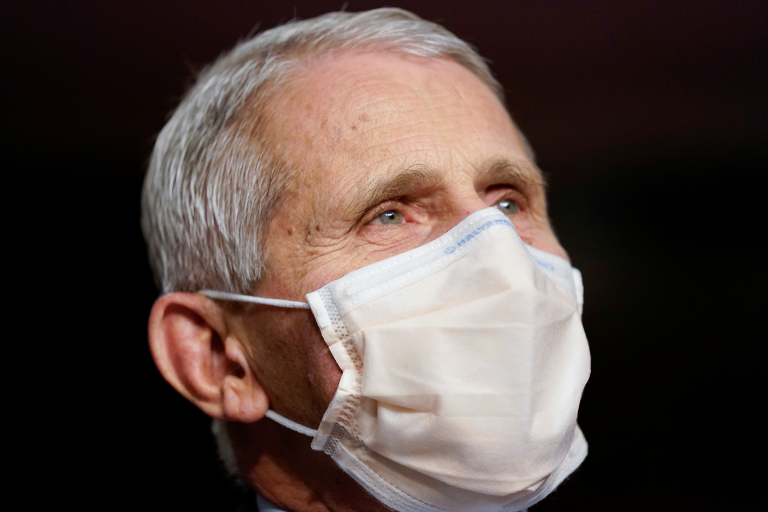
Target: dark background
[{"x": 648, "y": 117}]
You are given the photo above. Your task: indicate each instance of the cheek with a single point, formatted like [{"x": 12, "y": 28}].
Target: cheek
[
  {"x": 293, "y": 363},
  {"x": 328, "y": 260},
  {"x": 324, "y": 379},
  {"x": 323, "y": 269},
  {"x": 378, "y": 242},
  {"x": 541, "y": 236},
  {"x": 301, "y": 262}
]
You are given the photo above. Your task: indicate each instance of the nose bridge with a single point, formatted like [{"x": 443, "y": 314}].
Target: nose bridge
[
  {"x": 464, "y": 200},
  {"x": 469, "y": 203}
]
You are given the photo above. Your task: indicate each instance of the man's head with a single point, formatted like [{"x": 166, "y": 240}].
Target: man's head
[
  {"x": 308, "y": 152},
  {"x": 217, "y": 170}
]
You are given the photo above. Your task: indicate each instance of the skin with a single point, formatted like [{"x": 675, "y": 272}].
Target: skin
[{"x": 389, "y": 152}]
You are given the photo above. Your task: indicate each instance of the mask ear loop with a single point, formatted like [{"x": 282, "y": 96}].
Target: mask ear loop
[
  {"x": 280, "y": 303},
  {"x": 296, "y": 427},
  {"x": 270, "y": 302}
]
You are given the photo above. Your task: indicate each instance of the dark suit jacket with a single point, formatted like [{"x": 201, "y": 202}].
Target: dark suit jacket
[{"x": 248, "y": 502}]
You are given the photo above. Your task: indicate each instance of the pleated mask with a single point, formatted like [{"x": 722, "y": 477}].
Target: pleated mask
[{"x": 463, "y": 362}]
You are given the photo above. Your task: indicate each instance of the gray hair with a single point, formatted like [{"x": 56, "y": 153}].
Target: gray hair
[{"x": 214, "y": 177}]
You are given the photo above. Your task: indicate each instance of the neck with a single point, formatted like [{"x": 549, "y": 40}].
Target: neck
[{"x": 282, "y": 467}]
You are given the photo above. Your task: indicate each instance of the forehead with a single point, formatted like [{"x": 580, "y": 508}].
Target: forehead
[{"x": 350, "y": 117}]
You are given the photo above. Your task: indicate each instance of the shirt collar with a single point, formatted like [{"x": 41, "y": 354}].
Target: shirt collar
[{"x": 267, "y": 506}]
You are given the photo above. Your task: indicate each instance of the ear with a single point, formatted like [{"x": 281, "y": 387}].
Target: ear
[{"x": 197, "y": 353}]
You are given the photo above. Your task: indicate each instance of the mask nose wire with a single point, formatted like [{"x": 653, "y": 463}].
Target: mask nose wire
[{"x": 280, "y": 303}]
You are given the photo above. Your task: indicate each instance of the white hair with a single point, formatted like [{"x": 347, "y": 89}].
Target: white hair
[{"x": 213, "y": 177}]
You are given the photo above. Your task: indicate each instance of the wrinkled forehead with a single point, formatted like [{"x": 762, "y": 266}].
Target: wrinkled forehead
[{"x": 344, "y": 117}]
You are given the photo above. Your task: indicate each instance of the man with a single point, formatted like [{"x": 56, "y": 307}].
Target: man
[{"x": 444, "y": 374}]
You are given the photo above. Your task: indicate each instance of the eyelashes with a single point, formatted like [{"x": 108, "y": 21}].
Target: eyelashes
[{"x": 400, "y": 210}]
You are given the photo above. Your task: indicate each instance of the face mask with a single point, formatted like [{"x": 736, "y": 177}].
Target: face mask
[{"x": 463, "y": 365}]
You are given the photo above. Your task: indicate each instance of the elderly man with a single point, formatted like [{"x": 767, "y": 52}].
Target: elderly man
[{"x": 352, "y": 241}]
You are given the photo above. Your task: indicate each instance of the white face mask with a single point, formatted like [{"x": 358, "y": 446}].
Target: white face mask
[{"x": 463, "y": 365}]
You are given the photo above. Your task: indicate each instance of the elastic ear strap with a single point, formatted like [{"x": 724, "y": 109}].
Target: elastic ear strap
[
  {"x": 280, "y": 303},
  {"x": 301, "y": 429}
]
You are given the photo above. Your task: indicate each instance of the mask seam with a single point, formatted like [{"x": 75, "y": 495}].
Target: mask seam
[{"x": 349, "y": 408}]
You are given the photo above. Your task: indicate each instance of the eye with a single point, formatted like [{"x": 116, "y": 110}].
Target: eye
[
  {"x": 507, "y": 206},
  {"x": 390, "y": 217}
]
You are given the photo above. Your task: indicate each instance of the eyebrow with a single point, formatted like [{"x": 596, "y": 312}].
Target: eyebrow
[
  {"x": 503, "y": 170},
  {"x": 419, "y": 176},
  {"x": 381, "y": 188}
]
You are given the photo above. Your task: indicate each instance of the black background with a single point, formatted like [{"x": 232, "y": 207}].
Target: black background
[{"x": 648, "y": 117}]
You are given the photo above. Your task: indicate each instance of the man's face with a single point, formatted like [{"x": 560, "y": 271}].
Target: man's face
[{"x": 389, "y": 152}]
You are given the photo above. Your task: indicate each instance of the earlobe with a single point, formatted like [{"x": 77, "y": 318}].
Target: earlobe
[
  {"x": 198, "y": 355},
  {"x": 243, "y": 398}
]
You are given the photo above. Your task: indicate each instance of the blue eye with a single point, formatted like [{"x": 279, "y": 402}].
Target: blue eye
[
  {"x": 507, "y": 206},
  {"x": 391, "y": 217}
]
